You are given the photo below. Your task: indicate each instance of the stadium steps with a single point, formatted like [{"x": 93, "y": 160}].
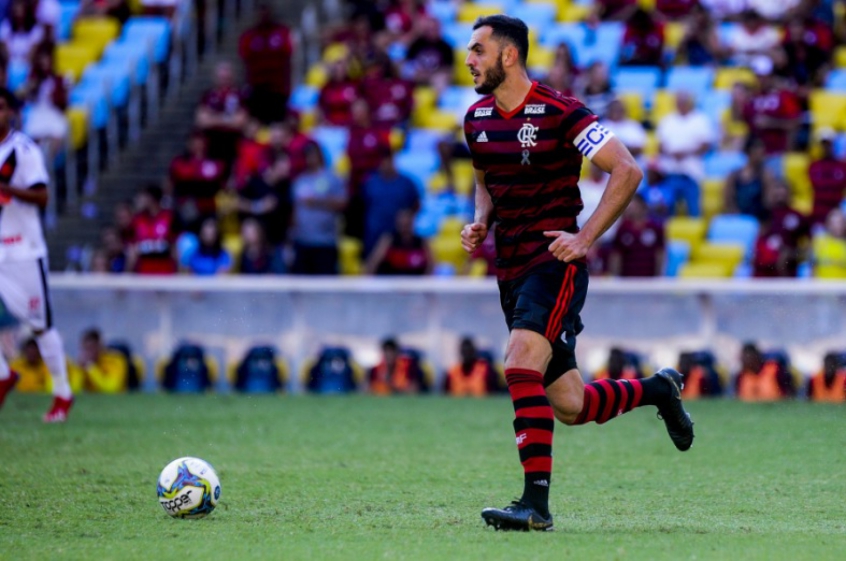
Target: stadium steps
[{"x": 148, "y": 160}]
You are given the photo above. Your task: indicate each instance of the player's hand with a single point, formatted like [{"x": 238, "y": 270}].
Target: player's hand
[
  {"x": 566, "y": 246},
  {"x": 472, "y": 236}
]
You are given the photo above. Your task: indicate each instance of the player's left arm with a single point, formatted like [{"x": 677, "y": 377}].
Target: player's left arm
[
  {"x": 614, "y": 158},
  {"x": 33, "y": 174},
  {"x": 35, "y": 195}
]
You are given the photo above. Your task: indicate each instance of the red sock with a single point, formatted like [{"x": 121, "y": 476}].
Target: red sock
[
  {"x": 533, "y": 426},
  {"x": 606, "y": 399}
]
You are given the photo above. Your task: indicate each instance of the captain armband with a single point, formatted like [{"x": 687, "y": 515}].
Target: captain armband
[{"x": 592, "y": 139}]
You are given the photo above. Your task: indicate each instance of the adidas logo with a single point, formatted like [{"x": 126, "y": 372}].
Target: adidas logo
[
  {"x": 483, "y": 137},
  {"x": 542, "y": 482}
]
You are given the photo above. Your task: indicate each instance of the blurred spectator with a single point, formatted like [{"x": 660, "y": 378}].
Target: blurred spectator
[
  {"x": 773, "y": 10},
  {"x": 221, "y": 115},
  {"x": 47, "y": 98},
  {"x": 194, "y": 181},
  {"x": 429, "y": 60},
  {"x": 401, "y": 252},
  {"x": 676, "y": 9},
  {"x": 594, "y": 88},
  {"x": 473, "y": 375},
  {"x": 210, "y": 257},
  {"x": 400, "y": 18},
  {"x": 808, "y": 45},
  {"x": 150, "y": 251},
  {"x": 266, "y": 195},
  {"x": 630, "y": 132},
  {"x": 99, "y": 262},
  {"x": 319, "y": 199},
  {"x": 390, "y": 98},
  {"x": 592, "y": 188},
  {"x": 105, "y": 370},
  {"x": 385, "y": 193},
  {"x": 735, "y": 127},
  {"x": 368, "y": 145},
  {"x": 659, "y": 193},
  {"x": 113, "y": 250},
  {"x": 563, "y": 72},
  {"x": 638, "y": 249},
  {"x": 123, "y": 216},
  {"x": 118, "y": 9},
  {"x": 337, "y": 95},
  {"x": 701, "y": 378},
  {"x": 643, "y": 40},
  {"x": 621, "y": 365},
  {"x": 333, "y": 372},
  {"x": 266, "y": 50},
  {"x": 722, "y": 10},
  {"x": 187, "y": 370},
  {"x": 616, "y": 10},
  {"x": 260, "y": 371},
  {"x": 828, "y": 178},
  {"x": 747, "y": 188},
  {"x": 829, "y": 247},
  {"x": 357, "y": 34},
  {"x": 165, "y": 8},
  {"x": 777, "y": 246},
  {"x": 257, "y": 256},
  {"x": 684, "y": 137},
  {"x": 762, "y": 378},
  {"x": 829, "y": 385},
  {"x": 753, "y": 41},
  {"x": 34, "y": 374},
  {"x": 21, "y": 32},
  {"x": 397, "y": 372},
  {"x": 700, "y": 45},
  {"x": 286, "y": 137}
]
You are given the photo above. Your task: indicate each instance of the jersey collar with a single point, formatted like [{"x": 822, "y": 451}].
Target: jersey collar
[{"x": 509, "y": 114}]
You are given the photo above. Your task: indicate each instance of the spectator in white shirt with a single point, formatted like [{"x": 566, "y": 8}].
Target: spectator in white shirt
[
  {"x": 722, "y": 10},
  {"x": 21, "y": 32},
  {"x": 773, "y": 10},
  {"x": 684, "y": 137},
  {"x": 752, "y": 39},
  {"x": 630, "y": 132}
]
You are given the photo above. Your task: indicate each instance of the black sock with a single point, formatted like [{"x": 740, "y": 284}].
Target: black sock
[
  {"x": 655, "y": 390},
  {"x": 536, "y": 492}
]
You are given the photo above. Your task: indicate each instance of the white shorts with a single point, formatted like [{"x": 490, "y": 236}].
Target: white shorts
[{"x": 24, "y": 293}]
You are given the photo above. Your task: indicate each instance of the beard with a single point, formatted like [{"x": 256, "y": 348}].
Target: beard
[{"x": 493, "y": 78}]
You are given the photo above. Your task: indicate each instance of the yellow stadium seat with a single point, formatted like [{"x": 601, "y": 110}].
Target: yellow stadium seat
[
  {"x": 397, "y": 139},
  {"x": 712, "y": 196},
  {"x": 439, "y": 120},
  {"x": 73, "y": 57},
  {"x": 97, "y": 32},
  {"x": 470, "y": 12},
  {"x": 342, "y": 165},
  {"x": 464, "y": 177},
  {"x": 727, "y": 77},
  {"x": 541, "y": 57},
  {"x": 446, "y": 249},
  {"x": 827, "y": 109},
  {"x": 437, "y": 183},
  {"x": 663, "y": 103},
  {"x": 705, "y": 271},
  {"x": 233, "y": 244},
  {"x": 652, "y": 146},
  {"x": 451, "y": 226},
  {"x": 795, "y": 169},
  {"x": 687, "y": 229},
  {"x": 425, "y": 96},
  {"x": 461, "y": 74},
  {"x": 633, "y": 103},
  {"x": 648, "y": 5},
  {"x": 78, "y": 121},
  {"x": 308, "y": 120},
  {"x": 840, "y": 56},
  {"x": 316, "y": 77},
  {"x": 573, "y": 12},
  {"x": 673, "y": 34},
  {"x": 335, "y": 52},
  {"x": 349, "y": 256},
  {"x": 727, "y": 254},
  {"x": 478, "y": 268}
]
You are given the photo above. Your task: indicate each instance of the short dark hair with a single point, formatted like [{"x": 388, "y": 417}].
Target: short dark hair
[
  {"x": 390, "y": 343},
  {"x": 511, "y": 29},
  {"x": 11, "y": 99},
  {"x": 154, "y": 191},
  {"x": 92, "y": 334}
]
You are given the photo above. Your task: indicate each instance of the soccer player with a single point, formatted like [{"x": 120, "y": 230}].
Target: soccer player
[
  {"x": 23, "y": 253},
  {"x": 527, "y": 142}
]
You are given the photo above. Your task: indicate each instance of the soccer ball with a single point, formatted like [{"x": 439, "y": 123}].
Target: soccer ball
[{"x": 188, "y": 488}]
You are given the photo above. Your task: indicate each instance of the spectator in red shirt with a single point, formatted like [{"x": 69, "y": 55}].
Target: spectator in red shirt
[
  {"x": 638, "y": 247},
  {"x": 151, "y": 249},
  {"x": 807, "y": 46},
  {"x": 675, "y": 9},
  {"x": 777, "y": 246},
  {"x": 267, "y": 49},
  {"x": 221, "y": 115},
  {"x": 338, "y": 95},
  {"x": 390, "y": 98},
  {"x": 367, "y": 147},
  {"x": 400, "y": 18},
  {"x": 195, "y": 180},
  {"x": 429, "y": 60},
  {"x": 266, "y": 195},
  {"x": 401, "y": 252},
  {"x": 643, "y": 41},
  {"x": 774, "y": 113},
  {"x": 828, "y": 178},
  {"x": 616, "y": 10},
  {"x": 286, "y": 137}
]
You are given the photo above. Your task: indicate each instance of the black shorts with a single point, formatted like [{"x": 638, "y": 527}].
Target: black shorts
[{"x": 548, "y": 300}]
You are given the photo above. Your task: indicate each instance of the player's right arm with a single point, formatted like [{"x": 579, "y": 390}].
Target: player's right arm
[{"x": 473, "y": 235}]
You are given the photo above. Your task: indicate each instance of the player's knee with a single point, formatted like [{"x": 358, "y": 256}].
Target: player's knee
[
  {"x": 566, "y": 408},
  {"x": 527, "y": 349}
]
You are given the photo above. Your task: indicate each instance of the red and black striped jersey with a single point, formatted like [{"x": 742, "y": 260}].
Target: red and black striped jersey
[{"x": 532, "y": 161}]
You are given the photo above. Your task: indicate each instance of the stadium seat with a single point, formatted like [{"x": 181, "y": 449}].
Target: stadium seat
[
  {"x": 836, "y": 80},
  {"x": 728, "y": 254},
  {"x": 420, "y": 139},
  {"x": 424, "y": 101},
  {"x": 652, "y": 147},
  {"x": 721, "y": 164},
  {"x": 77, "y": 116},
  {"x": 469, "y": 12},
  {"x": 114, "y": 77},
  {"x": 451, "y": 226},
  {"x": 573, "y": 34},
  {"x": 316, "y": 76},
  {"x": 705, "y": 271},
  {"x": 734, "y": 228},
  {"x": 457, "y": 35},
  {"x": 714, "y": 104},
  {"x": 442, "y": 10},
  {"x": 686, "y": 229},
  {"x": 134, "y": 55},
  {"x": 454, "y": 98},
  {"x": 92, "y": 96},
  {"x": 446, "y": 249},
  {"x": 67, "y": 14},
  {"x": 350, "y": 256},
  {"x": 262, "y": 370},
  {"x": 464, "y": 176},
  {"x": 155, "y": 31},
  {"x": 537, "y": 15},
  {"x": 304, "y": 98},
  {"x": 634, "y": 105},
  {"x": 73, "y": 57},
  {"x": 461, "y": 74},
  {"x": 727, "y": 77},
  {"x": 678, "y": 253},
  {"x": 694, "y": 79},
  {"x": 418, "y": 166},
  {"x": 840, "y": 57},
  {"x": 795, "y": 170},
  {"x": 341, "y": 166},
  {"x": 574, "y": 12},
  {"x": 439, "y": 120},
  {"x": 16, "y": 74},
  {"x": 97, "y": 32},
  {"x": 828, "y": 109},
  {"x": 712, "y": 196},
  {"x": 663, "y": 104},
  {"x": 643, "y": 80},
  {"x": 541, "y": 59},
  {"x": 673, "y": 35}
]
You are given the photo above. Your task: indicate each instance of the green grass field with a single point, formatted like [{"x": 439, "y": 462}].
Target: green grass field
[{"x": 369, "y": 478}]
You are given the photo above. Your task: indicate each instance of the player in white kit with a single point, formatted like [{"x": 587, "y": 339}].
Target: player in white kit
[{"x": 23, "y": 255}]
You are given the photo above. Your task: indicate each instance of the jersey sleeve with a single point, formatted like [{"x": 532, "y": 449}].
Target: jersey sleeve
[
  {"x": 581, "y": 128},
  {"x": 31, "y": 166},
  {"x": 470, "y": 139}
]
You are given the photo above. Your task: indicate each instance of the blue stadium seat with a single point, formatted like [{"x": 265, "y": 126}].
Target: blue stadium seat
[
  {"x": 538, "y": 16},
  {"x": 714, "y": 103},
  {"x": 457, "y": 34},
  {"x": 304, "y": 98},
  {"x": 694, "y": 79},
  {"x": 423, "y": 140},
  {"x": 16, "y": 74},
  {"x": 571, "y": 33},
  {"x": 606, "y": 52},
  {"x": 68, "y": 9},
  {"x": 333, "y": 140},
  {"x": 91, "y": 94},
  {"x": 134, "y": 55},
  {"x": 720, "y": 164},
  {"x": 644, "y": 80},
  {"x": 152, "y": 30},
  {"x": 442, "y": 10},
  {"x": 418, "y": 166},
  {"x": 836, "y": 80},
  {"x": 734, "y": 228},
  {"x": 678, "y": 253},
  {"x": 114, "y": 77},
  {"x": 457, "y": 98}
]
